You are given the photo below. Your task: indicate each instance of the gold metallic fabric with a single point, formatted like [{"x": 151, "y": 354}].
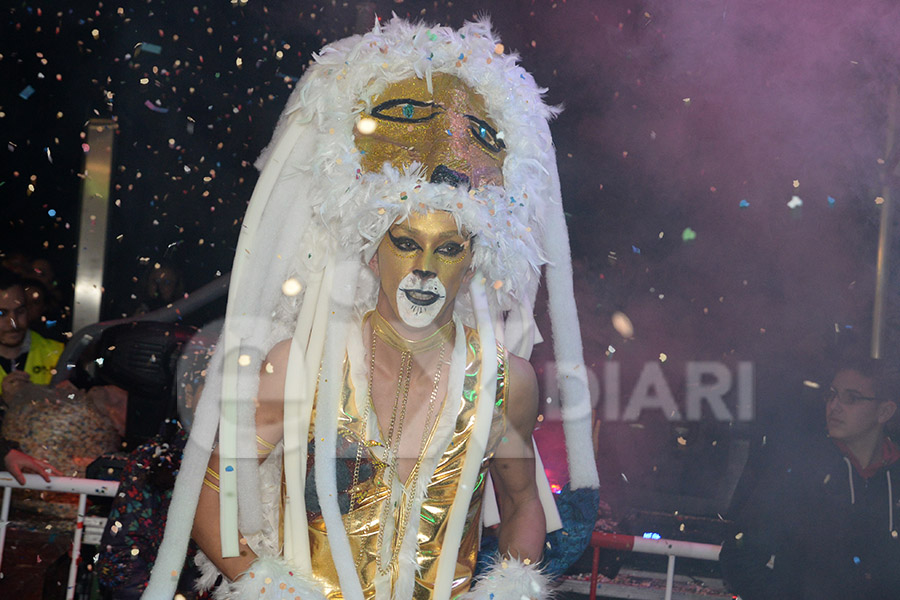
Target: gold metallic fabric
[{"x": 362, "y": 519}]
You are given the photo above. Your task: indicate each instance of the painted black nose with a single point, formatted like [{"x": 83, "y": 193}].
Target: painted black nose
[{"x": 444, "y": 174}]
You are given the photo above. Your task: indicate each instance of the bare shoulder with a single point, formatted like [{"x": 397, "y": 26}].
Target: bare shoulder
[
  {"x": 523, "y": 386},
  {"x": 271, "y": 384},
  {"x": 279, "y": 353},
  {"x": 522, "y": 398}
]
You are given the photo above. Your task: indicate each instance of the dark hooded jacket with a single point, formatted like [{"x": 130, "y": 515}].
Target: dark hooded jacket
[{"x": 814, "y": 525}]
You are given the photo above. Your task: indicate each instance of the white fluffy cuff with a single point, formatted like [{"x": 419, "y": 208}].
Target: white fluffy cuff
[
  {"x": 510, "y": 579},
  {"x": 270, "y": 579}
]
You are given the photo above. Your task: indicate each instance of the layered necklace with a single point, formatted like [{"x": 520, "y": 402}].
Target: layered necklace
[{"x": 383, "y": 331}]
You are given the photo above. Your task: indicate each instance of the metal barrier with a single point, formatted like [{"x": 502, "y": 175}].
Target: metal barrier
[
  {"x": 99, "y": 487},
  {"x": 65, "y": 485},
  {"x": 630, "y": 543}
]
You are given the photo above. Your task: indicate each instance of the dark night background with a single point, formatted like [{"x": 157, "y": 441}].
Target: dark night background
[{"x": 704, "y": 117}]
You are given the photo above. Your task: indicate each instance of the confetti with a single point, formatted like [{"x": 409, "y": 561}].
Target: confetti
[
  {"x": 688, "y": 235},
  {"x": 148, "y": 47},
  {"x": 743, "y": 203},
  {"x": 155, "y": 108},
  {"x": 26, "y": 93},
  {"x": 795, "y": 202}
]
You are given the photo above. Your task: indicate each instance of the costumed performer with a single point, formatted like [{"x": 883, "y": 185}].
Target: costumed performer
[{"x": 389, "y": 259}]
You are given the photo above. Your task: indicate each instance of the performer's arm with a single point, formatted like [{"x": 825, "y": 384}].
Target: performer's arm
[
  {"x": 269, "y": 415},
  {"x": 522, "y": 526}
]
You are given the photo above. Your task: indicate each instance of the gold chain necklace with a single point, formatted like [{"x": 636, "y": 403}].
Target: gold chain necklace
[
  {"x": 410, "y": 491},
  {"x": 354, "y": 492},
  {"x": 382, "y": 329}
]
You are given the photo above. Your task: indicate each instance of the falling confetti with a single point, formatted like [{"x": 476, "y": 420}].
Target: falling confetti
[
  {"x": 148, "y": 47},
  {"x": 155, "y": 108}
]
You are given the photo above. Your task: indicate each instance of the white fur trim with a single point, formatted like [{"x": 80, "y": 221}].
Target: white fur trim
[
  {"x": 270, "y": 579},
  {"x": 356, "y": 208},
  {"x": 567, "y": 349},
  {"x": 510, "y": 579},
  {"x": 477, "y": 444},
  {"x": 326, "y": 426}
]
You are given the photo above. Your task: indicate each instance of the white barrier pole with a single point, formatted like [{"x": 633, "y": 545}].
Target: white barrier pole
[
  {"x": 670, "y": 577},
  {"x": 65, "y": 485},
  {"x": 4, "y": 519},
  {"x": 76, "y": 546}
]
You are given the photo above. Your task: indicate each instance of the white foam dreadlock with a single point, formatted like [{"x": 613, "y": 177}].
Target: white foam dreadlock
[{"x": 316, "y": 217}]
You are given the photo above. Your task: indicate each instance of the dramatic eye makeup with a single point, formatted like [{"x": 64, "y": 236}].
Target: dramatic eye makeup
[
  {"x": 410, "y": 110},
  {"x": 485, "y": 135},
  {"x": 451, "y": 249},
  {"x": 448, "y": 252},
  {"x": 403, "y": 243},
  {"x": 406, "y": 110}
]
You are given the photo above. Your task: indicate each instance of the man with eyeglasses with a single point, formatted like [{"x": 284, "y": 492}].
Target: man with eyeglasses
[{"x": 823, "y": 523}]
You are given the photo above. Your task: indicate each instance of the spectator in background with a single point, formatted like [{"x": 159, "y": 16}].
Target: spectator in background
[
  {"x": 42, "y": 270},
  {"x": 162, "y": 285},
  {"x": 42, "y": 318},
  {"x": 24, "y": 356},
  {"x": 57, "y": 313},
  {"x": 822, "y": 520},
  {"x": 18, "y": 262},
  {"x": 35, "y": 301},
  {"x": 39, "y": 273}
]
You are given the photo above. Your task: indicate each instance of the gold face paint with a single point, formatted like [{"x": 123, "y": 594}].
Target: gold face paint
[
  {"x": 422, "y": 262},
  {"x": 447, "y": 131}
]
